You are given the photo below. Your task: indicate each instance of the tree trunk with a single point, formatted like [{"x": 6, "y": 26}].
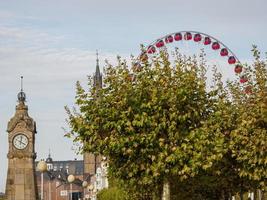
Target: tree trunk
[
  {"x": 255, "y": 194},
  {"x": 222, "y": 196},
  {"x": 166, "y": 194},
  {"x": 260, "y": 195},
  {"x": 228, "y": 196},
  {"x": 241, "y": 195},
  {"x": 156, "y": 196}
]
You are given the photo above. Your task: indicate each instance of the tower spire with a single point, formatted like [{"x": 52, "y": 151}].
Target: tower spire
[
  {"x": 97, "y": 71},
  {"x": 97, "y": 60},
  {"x": 98, "y": 75},
  {"x": 21, "y": 94}
]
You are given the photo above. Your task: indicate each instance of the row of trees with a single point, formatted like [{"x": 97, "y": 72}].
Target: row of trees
[{"x": 167, "y": 136}]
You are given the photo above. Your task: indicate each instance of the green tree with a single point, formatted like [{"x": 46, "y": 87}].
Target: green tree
[
  {"x": 238, "y": 124},
  {"x": 142, "y": 121},
  {"x": 237, "y": 127},
  {"x": 161, "y": 128},
  {"x": 249, "y": 139}
]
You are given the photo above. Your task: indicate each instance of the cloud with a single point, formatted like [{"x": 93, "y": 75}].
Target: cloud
[
  {"x": 10, "y": 33},
  {"x": 29, "y": 37},
  {"x": 4, "y": 15}
]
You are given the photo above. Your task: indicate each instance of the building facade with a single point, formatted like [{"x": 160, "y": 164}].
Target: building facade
[
  {"x": 57, "y": 187},
  {"x": 55, "y": 183}
]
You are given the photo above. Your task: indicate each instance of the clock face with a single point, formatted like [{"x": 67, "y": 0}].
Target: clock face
[{"x": 20, "y": 141}]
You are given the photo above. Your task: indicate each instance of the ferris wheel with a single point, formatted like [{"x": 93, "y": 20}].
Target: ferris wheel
[{"x": 199, "y": 41}]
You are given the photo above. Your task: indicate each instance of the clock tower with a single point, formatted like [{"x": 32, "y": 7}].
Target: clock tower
[{"x": 21, "y": 180}]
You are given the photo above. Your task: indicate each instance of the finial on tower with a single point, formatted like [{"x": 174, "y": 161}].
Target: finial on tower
[
  {"x": 21, "y": 83},
  {"x": 21, "y": 94}
]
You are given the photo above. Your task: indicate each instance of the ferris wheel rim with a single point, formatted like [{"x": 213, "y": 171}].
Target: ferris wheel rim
[
  {"x": 232, "y": 58},
  {"x": 195, "y": 32}
]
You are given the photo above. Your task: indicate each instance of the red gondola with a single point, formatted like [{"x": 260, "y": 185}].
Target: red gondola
[
  {"x": 169, "y": 39},
  {"x": 178, "y": 36},
  {"x": 151, "y": 49},
  {"x": 231, "y": 60},
  {"x": 197, "y": 37},
  {"x": 224, "y": 52},
  {"x": 238, "y": 69},
  {"x": 160, "y": 43},
  {"x": 215, "y": 46},
  {"x": 188, "y": 36},
  {"x": 207, "y": 41}
]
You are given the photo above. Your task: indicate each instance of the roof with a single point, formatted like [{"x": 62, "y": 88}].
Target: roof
[
  {"x": 74, "y": 167},
  {"x": 60, "y": 175}
]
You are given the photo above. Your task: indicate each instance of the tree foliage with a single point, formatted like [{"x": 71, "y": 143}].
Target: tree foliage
[
  {"x": 113, "y": 193},
  {"x": 157, "y": 121},
  {"x": 248, "y": 142}
]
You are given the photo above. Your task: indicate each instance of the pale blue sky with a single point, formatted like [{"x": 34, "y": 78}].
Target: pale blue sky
[{"x": 53, "y": 42}]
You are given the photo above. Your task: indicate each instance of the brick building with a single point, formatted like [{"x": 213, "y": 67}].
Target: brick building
[{"x": 56, "y": 186}]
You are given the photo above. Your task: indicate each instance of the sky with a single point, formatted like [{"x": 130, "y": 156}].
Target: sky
[{"x": 52, "y": 43}]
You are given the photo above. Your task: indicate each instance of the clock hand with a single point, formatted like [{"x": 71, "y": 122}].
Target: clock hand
[{"x": 22, "y": 142}]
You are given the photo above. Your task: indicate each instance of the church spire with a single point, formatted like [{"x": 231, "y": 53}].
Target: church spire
[
  {"x": 97, "y": 75},
  {"x": 97, "y": 64}
]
